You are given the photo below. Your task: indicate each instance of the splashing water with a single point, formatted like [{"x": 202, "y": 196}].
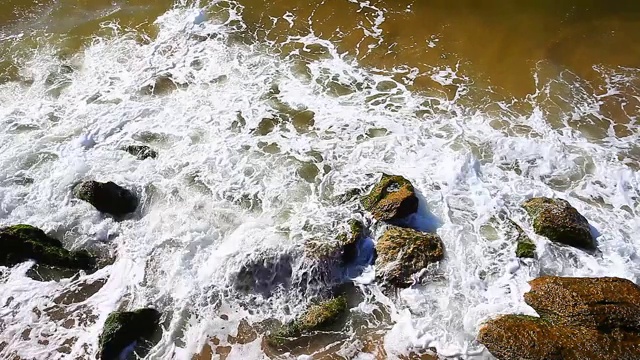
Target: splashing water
[{"x": 256, "y": 140}]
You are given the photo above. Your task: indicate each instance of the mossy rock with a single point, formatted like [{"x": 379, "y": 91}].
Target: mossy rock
[
  {"x": 122, "y": 329},
  {"x": 602, "y": 303},
  {"x": 392, "y": 198},
  {"x": 560, "y": 222},
  {"x": 349, "y": 240},
  {"x": 526, "y": 249},
  {"x": 402, "y": 252},
  {"x": 141, "y": 152},
  {"x": 518, "y": 337},
  {"x": 107, "y": 197},
  {"x": 318, "y": 317},
  {"x": 23, "y": 242}
]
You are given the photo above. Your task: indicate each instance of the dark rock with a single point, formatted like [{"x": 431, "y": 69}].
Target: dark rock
[
  {"x": 107, "y": 197},
  {"x": 392, "y": 198},
  {"x": 580, "y": 318},
  {"x": 318, "y": 317},
  {"x": 142, "y": 152},
  {"x": 24, "y": 242},
  {"x": 403, "y": 252},
  {"x": 560, "y": 222},
  {"x": 526, "y": 249},
  {"x": 122, "y": 329}
]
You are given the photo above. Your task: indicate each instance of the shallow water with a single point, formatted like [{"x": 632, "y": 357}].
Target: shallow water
[{"x": 263, "y": 113}]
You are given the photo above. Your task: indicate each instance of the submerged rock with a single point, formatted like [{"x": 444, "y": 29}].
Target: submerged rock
[
  {"x": 403, "y": 252},
  {"x": 318, "y": 317},
  {"x": 142, "y": 152},
  {"x": 20, "y": 243},
  {"x": 392, "y": 198},
  {"x": 580, "y": 318},
  {"x": 560, "y": 222},
  {"x": 122, "y": 329},
  {"x": 107, "y": 197}
]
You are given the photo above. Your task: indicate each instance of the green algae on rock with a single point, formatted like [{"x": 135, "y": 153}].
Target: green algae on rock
[
  {"x": 24, "y": 242},
  {"x": 560, "y": 222},
  {"x": 580, "y": 318},
  {"x": 141, "y": 152},
  {"x": 402, "y": 252},
  {"x": 526, "y": 249},
  {"x": 107, "y": 197},
  {"x": 349, "y": 240},
  {"x": 123, "y": 328},
  {"x": 392, "y": 198},
  {"x": 317, "y": 317}
]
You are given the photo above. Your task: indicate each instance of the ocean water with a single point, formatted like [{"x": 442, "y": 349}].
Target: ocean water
[{"x": 263, "y": 116}]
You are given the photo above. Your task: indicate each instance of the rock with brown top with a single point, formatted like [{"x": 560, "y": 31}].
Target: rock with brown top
[
  {"x": 403, "y": 252},
  {"x": 349, "y": 240},
  {"x": 580, "y": 318},
  {"x": 392, "y": 198},
  {"x": 604, "y": 303},
  {"x": 518, "y": 337},
  {"x": 560, "y": 222}
]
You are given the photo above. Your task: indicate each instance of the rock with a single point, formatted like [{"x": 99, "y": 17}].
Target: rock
[
  {"x": 349, "y": 240},
  {"x": 403, "y": 252},
  {"x": 142, "y": 152},
  {"x": 392, "y": 198},
  {"x": 122, "y": 329},
  {"x": 526, "y": 249},
  {"x": 518, "y": 337},
  {"x": 23, "y": 242},
  {"x": 603, "y": 303},
  {"x": 318, "y": 317},
  {"x": 580, "y": 318},
  {"x": 560, "y": 222},
  {"x": 107, "y": 197}
]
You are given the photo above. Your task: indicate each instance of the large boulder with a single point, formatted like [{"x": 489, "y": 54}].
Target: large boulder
[
  {"x": 19, "y": 243},
  {"x": 129, "y": 330},
  {"x": 392, "y": 198},
  {"x": 518, "y": 337},
  {"x": 403, "y": 252},
  {"x": 560, "y": 222},
  {"x": 604, "y": 303},
  {"x": 580, "y": 318},
  {"x": 320, "y": 316},
  {"x": 107, "y": 197}
]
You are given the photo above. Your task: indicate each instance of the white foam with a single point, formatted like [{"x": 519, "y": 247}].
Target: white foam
[{"x": 184, "y": 247}]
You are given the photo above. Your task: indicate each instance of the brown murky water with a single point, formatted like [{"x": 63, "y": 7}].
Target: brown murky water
[{"x": 495, "y": 41}]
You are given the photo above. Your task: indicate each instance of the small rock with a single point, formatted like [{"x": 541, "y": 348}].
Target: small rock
[
  {"x": 122, "y": 329},
  {"x": 349, "y": 240},
  {"x": 317, "y": 317},
  {"x": 560, "y": 222},
  {"x": 142, "y": 152},
  {"x": 107, "y": 197},
  {"x": 24, "y": 242},
  {"x": 403, "y": 252},
  {"x": 392, "y": 198},
  {"x": 526, "y": 249}
]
